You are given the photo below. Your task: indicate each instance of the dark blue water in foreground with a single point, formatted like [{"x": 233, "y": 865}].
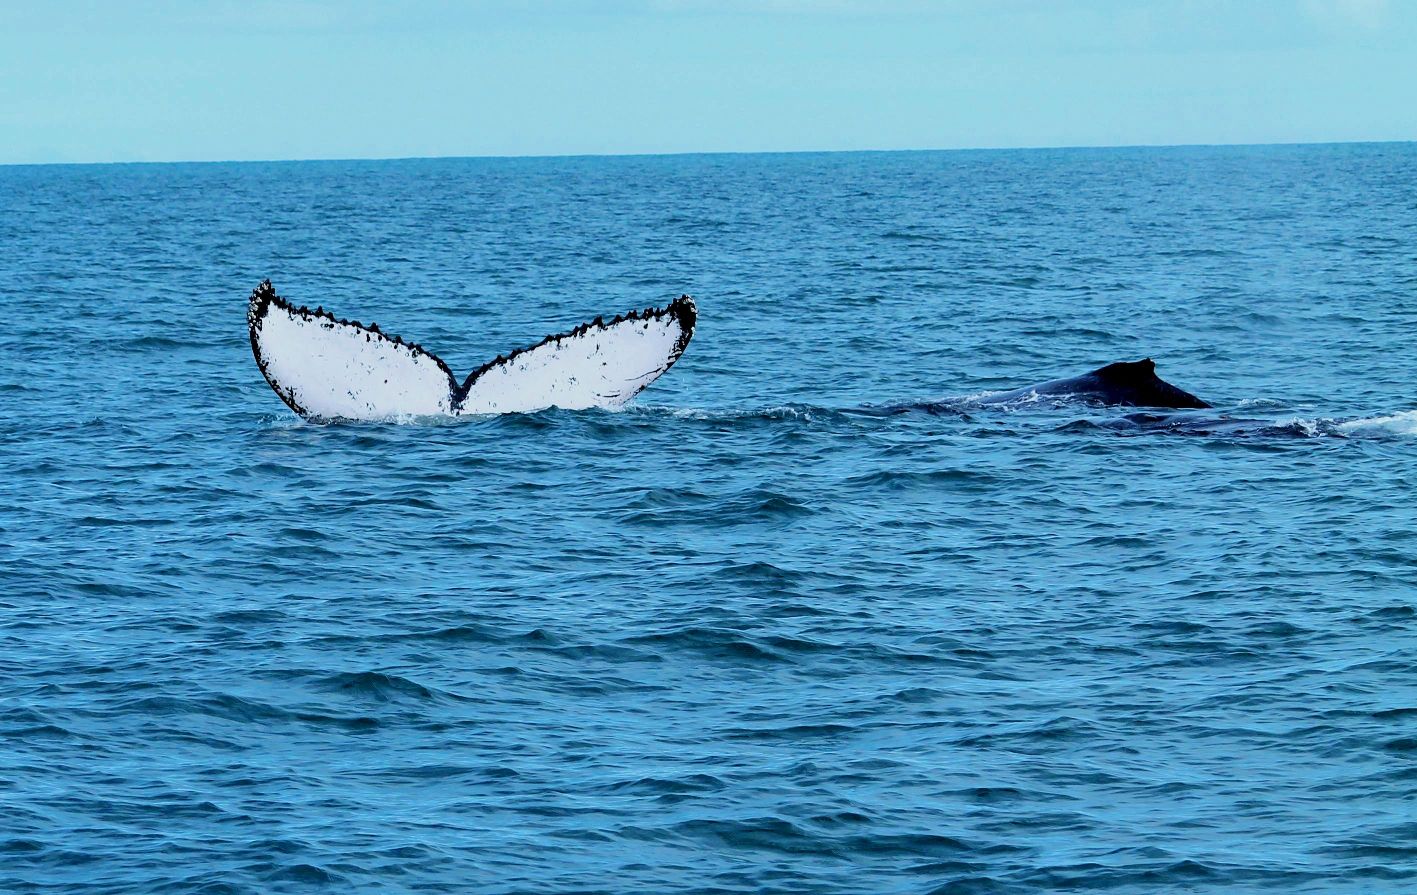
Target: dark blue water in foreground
[{"x": 740, "y": 637}]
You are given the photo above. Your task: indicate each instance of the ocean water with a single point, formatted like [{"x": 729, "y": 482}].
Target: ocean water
[{"x": 752, "y": 634}]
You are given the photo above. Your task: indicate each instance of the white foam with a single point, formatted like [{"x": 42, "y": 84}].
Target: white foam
[
  {"x": 1404, "y": 424},
  {"x": 1309, "y": 428}
]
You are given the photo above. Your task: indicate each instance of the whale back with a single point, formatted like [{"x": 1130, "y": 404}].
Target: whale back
[{"x": 1124, "y": 384}]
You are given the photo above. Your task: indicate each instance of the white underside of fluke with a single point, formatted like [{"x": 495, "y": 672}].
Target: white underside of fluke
[
  {"x": 601, "y": 365},
  {"x": 330, "y": 369}
]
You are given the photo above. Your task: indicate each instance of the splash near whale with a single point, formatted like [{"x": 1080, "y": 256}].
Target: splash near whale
[{"x": 325, "y": 368}]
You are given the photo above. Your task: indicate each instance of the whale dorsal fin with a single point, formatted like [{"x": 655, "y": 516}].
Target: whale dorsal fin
[
  {"x": 1135, "y": 382},
  {"x": 1128, "y": 371}
]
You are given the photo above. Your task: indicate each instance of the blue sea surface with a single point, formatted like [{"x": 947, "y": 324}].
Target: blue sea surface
[{"x": 754, "y": 633}]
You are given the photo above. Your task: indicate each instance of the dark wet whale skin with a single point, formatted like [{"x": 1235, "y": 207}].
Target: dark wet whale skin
[
  {"x": 1145, "y": 423},
  {"x": 1123, "y": 384}
]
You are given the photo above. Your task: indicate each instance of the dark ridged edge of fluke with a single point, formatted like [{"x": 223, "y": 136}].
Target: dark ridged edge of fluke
[
  {"x": 264, "y": 296},
  {"x": 681, "y": 309}
]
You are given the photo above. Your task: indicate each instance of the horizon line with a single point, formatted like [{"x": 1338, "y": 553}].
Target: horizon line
[{"x": 698, "y": 152}]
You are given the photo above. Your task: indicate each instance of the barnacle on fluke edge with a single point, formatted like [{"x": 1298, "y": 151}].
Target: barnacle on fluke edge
[{"x": 324, "y": 367}]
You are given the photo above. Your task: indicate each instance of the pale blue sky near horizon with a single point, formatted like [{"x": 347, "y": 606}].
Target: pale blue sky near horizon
[{"x": 167, "y": 80}]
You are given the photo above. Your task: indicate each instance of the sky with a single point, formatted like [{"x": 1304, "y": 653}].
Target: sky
[{"x": 199, "y": 80}]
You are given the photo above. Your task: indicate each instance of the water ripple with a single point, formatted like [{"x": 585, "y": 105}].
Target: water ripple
[{"x": 803, "y": 619}]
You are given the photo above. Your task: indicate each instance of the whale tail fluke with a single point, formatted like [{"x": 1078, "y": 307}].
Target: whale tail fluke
[
  {"x": 326, "y": 368},
  {"x": 597, "y": 364}
]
